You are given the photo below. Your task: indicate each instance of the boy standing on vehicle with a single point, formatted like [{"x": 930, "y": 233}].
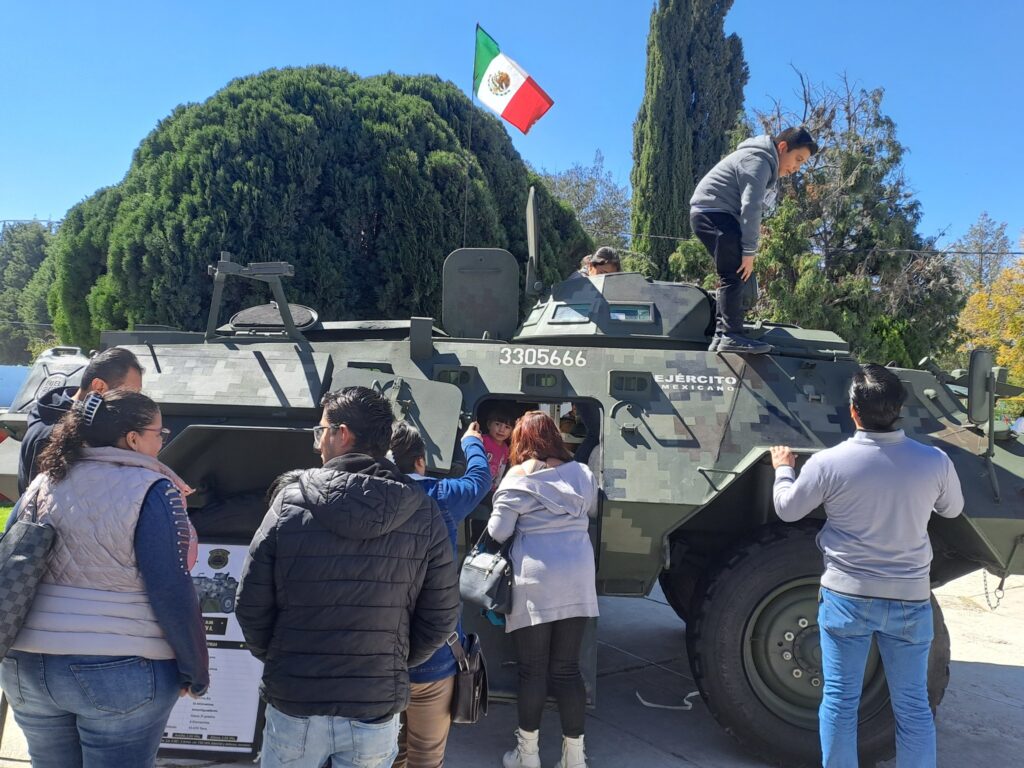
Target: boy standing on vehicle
[
  {"x": 879, "y": 489},
  {"x": 725, "y": 213}
]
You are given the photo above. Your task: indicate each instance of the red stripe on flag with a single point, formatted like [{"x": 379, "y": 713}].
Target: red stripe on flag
[{"x": 527, "y": 106}]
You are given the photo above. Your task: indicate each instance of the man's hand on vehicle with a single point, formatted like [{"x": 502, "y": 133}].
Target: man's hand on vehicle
[{"x": 783, "y": 456}]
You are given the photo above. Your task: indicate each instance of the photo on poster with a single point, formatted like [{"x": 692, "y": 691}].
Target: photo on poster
[{"x": 226, "y": 718}]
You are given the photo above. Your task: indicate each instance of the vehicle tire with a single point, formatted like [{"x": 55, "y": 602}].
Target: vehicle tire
[
  {"x": 678, "y": 586},
  {"x": 760, "y": 605}
]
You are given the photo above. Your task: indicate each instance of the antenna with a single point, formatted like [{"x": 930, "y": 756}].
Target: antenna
[{"x": 533, "y": 283}]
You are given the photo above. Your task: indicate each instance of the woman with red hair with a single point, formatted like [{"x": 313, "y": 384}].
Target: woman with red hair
[{"x": 546, "y": 501}]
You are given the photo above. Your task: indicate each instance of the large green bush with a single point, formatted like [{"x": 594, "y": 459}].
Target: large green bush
[{"x": 358, "y": 182}]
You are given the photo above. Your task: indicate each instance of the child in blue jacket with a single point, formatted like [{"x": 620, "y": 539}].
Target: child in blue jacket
[{"x": 424, "y": 734}]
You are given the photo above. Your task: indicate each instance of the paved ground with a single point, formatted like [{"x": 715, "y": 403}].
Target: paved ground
[{"x": 642, "y": 650}]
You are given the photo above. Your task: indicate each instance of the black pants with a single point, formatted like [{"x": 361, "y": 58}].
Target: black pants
[
  {"x": 549, "y": 654},
  {"x": 721, "y": 235}
]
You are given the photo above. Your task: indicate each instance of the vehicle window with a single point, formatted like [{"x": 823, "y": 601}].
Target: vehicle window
[
  {"x": 632, "y": 313},
  {"x": 572, "y": 313}
]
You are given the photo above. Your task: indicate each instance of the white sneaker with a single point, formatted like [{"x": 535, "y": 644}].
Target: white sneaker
[
  {"x": 527, "y": 751},
  {"x": 572, "y": 754}
]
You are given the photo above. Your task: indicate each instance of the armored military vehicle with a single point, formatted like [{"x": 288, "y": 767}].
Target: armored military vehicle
[
  {"x": 216, "y": 593},
  {"x": 678, "y": 437}
]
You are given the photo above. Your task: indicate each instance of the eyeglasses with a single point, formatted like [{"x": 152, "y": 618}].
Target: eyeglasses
[
  {"x": 163, "y": 431},
  {"x": 318, "y": 433}
]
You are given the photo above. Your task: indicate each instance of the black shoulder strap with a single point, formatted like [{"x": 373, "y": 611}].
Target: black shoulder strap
[{"x": 458, "y": 651}]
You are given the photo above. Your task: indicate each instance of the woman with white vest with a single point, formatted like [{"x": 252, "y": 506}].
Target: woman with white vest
[{"x": 115, "y": 634}]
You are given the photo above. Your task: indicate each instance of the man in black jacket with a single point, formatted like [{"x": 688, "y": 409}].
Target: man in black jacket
[
  {"x": 114, "y": 368},
  {"x": 350, "y": 580}
]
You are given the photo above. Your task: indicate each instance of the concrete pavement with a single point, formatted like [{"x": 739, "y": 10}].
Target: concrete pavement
[{"x": 642, "y": 650}]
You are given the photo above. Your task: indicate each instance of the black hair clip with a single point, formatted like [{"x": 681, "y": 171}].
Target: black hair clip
[{"x": 89, "y": 407}]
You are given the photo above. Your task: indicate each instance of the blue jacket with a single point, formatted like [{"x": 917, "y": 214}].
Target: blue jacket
[{"x": 456, "y": 498}]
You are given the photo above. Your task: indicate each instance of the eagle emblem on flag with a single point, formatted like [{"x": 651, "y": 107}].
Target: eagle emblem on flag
[{"x": 499, "y": 83}]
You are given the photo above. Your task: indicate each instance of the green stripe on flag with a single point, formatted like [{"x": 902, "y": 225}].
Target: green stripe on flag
[{"x": 486, "y": 50}]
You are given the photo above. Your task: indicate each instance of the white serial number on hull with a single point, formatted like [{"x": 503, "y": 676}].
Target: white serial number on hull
[{"x": 556, "y": 358}]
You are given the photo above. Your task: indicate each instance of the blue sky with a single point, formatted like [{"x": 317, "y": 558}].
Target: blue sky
[{"x": 83, "y": 83}]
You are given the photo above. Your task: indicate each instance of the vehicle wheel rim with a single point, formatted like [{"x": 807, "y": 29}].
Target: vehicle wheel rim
[{"x": 782, "y": 657}]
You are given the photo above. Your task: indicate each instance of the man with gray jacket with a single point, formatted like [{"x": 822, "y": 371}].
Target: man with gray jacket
[
  {"x": 725, "y": 213},
  {"x": 879, "y": 489}
]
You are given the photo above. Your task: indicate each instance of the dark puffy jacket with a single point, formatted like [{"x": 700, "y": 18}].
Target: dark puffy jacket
[
  {"x": 42, "y": 418},
  {"x": 349, "y": 581}
]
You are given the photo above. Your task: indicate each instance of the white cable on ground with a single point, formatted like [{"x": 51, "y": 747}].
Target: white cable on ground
[{"x": 686, "y": 706}]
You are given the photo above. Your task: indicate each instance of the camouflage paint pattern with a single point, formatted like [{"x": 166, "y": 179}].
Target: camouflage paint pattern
[
  {"x": 679, "y": 424},
  {"x": 684, "y": 433}
]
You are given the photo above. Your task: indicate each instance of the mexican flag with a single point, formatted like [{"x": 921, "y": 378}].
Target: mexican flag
[{"x": 503, "y": 86}]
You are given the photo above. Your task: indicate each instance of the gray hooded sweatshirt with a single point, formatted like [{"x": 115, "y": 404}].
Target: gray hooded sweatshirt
[
  {"x": 548, "y": 512},
  {"x": 740, "y": 184}
]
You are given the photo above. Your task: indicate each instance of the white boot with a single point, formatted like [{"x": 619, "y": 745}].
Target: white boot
[
  {"x": 572, "y": 754},
  {"x": 527, "y": 751}
]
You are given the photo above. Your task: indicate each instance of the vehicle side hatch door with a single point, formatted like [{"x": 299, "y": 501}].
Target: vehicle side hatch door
[{"x": 433, "y": 407}]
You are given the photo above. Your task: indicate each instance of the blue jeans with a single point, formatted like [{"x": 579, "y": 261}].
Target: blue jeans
[
  {"x": 90, "y": 711},
  {"x": 309, "y": 742},
  {"x": 904, "y": 632}
]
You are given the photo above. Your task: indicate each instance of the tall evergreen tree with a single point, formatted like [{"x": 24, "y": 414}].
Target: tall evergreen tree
[
  {"x": 982, "y": 253},
  {"x": 22, "y": 250},
  {"x": 718, "y": 74},
  {"x": 693, "y": 93}
]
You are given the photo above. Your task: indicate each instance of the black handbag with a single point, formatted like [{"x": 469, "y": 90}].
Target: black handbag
[
  {"x": 24, "y": 549},
  {"x": 486, "y": 576},
  {"x": 469, "y": 701}
]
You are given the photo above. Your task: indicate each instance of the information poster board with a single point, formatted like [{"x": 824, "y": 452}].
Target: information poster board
[{"x": 227, "y": 718}]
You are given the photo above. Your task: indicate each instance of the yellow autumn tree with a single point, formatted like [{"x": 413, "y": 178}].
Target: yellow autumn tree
[{"x": 994, "y": 318}]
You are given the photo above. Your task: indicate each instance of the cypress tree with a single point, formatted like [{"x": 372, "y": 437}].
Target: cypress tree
[
  {"x": 718, "y": 74},
  {"x": 693, "y": 91}
]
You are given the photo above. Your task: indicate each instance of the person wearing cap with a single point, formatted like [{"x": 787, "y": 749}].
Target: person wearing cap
[
  {"x": 601, "y": 262},
  {"x": 725, "y": 214}
]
